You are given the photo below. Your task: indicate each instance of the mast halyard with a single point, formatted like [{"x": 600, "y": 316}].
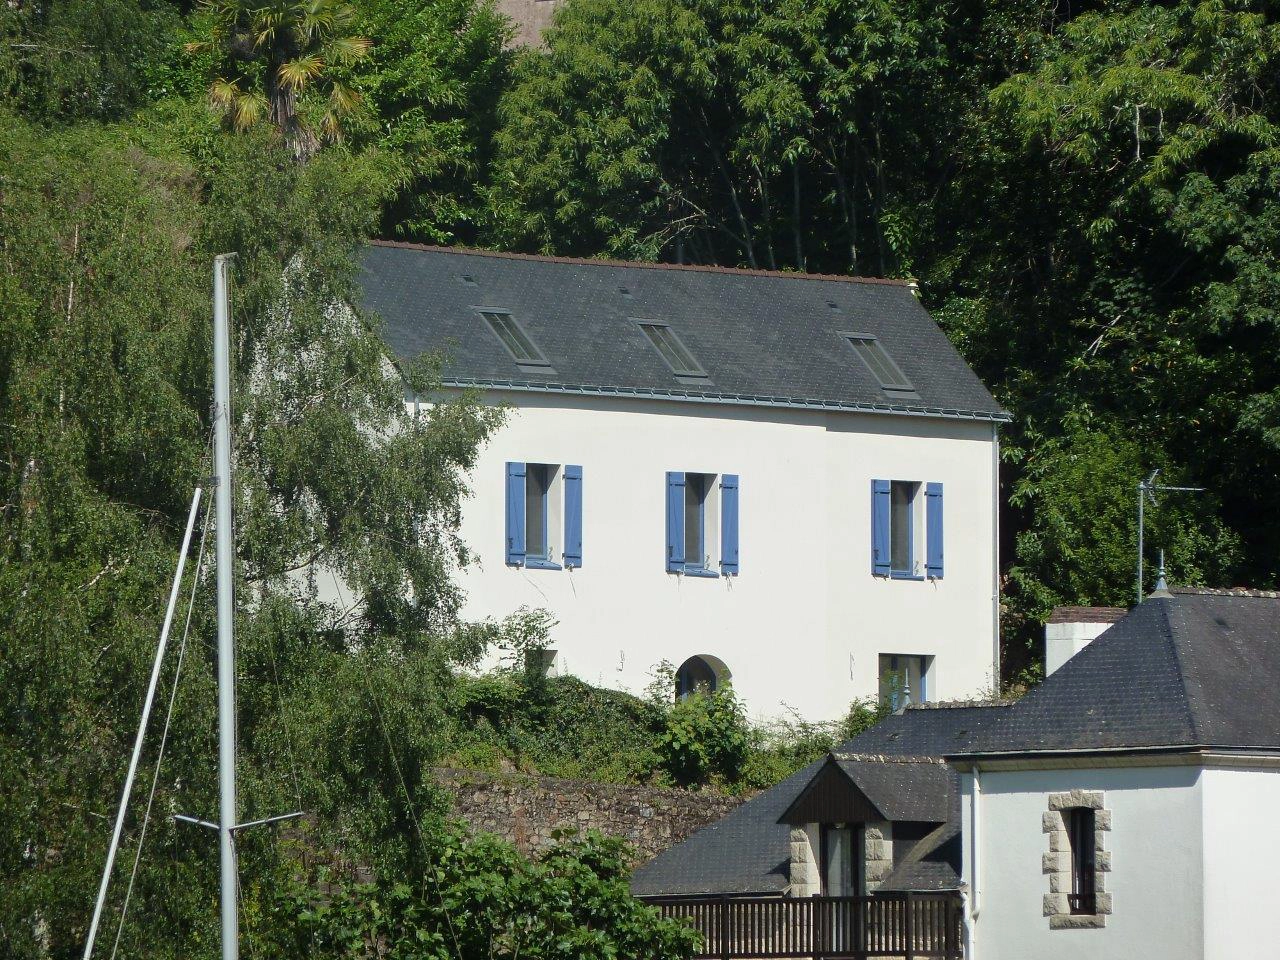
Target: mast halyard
[{"x": 225, "y": 562}]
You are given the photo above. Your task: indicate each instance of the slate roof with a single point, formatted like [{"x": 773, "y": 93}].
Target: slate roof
[
  {"x": 1194, "y": 669},
  {"x": 763, "y": 338},
  {"x": 748, "y": 851},
  {"x": 917, "y": 789}
]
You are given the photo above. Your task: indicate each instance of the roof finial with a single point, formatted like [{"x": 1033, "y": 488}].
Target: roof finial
[{"x": 1162, "y": 588}]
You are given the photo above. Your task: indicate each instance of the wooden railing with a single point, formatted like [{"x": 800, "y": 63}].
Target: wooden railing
[{"x": 911, "y": 925}]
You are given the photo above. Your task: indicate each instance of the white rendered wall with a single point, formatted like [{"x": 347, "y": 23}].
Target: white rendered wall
[
  {"x": 1155, "y": 880},
  {"x": 803, "y": 624},
  {"x": 1241, "y": 854},
  {"x": 1062, "y": 641}
]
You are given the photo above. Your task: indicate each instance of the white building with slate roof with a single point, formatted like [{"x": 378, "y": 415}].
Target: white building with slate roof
[
  {"x": 1124, "y": 808},
  {"x": 1127, "y": 807},
  {"x": 784, "y": 481}
]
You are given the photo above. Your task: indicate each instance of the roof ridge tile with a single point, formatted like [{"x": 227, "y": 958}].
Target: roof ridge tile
[
  {"x": 1225, "y": 592},
  {"x": 643, "y": 264}
]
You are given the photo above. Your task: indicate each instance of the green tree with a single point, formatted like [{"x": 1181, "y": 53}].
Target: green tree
[
  {"x": 1119, "y": 289},
  {"x": 104, "y": 384},
  {"x": 1086, "y": 194},
  {"x": 270, "y": 54},
  {"x": 81, "y": 59},
  {"x": 429, "y": 90},
  {"x": 800, "y": 135}
]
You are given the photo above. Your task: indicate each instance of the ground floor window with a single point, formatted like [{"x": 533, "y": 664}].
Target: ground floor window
[
  {"x": 904, "y": 679},
  {"x": 701, "y": 674}
]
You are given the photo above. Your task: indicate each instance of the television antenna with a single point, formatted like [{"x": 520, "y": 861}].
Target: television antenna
[{"x": 1147, "y": 490}]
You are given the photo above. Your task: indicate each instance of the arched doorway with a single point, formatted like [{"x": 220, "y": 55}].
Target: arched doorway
[{"x": 700, "y": 674}]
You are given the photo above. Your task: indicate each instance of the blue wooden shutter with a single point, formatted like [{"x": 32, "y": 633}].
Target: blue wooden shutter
[
  {"x": 572, "y": 515},
  {"x": 933, "y": 529},
  {"x": 515, "y": 514},
  {"x": 880, "y": 528},
  {"x": 729, "y": 524},
  {"x": 675, "y": 520}
]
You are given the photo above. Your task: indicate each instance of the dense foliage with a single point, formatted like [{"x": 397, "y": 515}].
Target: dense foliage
[
  {"x": 512, "y": 718},
  {"x": 479, "y": 900}
]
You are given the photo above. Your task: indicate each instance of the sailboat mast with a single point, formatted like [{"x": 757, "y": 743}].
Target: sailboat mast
[{"x": 225, "y": 555}]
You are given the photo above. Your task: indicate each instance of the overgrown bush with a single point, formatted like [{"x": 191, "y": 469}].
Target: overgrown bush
[
  {"x": 479, "y": 899},
  {"x": 705, "y": 739}
]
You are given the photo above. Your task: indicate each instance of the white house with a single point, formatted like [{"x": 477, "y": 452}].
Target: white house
[
  {"x": 749, "y": 475},
  {"x": 1127, "y": 806},
  {"x": 1124, "y": 808}
]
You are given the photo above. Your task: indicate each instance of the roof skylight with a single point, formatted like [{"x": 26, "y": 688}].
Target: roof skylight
[
  {"x": 675, "y": 353},
  {"x": 879, "y": 362},
  {"x": 514, "y": 338}
]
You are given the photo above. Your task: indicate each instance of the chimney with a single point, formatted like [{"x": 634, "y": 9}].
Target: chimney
[{"x": 1070, "y": 630}]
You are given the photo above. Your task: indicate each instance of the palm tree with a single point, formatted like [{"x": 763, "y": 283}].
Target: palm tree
[{"x": 271, "y": 53}]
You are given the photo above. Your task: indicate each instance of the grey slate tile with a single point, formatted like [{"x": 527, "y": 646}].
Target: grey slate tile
[{"x": 764, "y": 337}]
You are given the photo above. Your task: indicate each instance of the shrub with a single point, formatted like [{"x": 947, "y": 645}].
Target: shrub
[
  {"x": 705, "y": 739},
  {"x": 477, "y": 899}
]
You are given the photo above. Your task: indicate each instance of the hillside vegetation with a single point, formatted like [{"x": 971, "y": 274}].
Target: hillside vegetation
[{"x": 1086, "y": 192}]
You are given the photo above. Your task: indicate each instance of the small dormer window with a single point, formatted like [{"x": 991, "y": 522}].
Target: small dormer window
[
  {"x": 513, "y": 337},
  {"x": 878, "y": 361},
  {"x": 673, "y": 351}
]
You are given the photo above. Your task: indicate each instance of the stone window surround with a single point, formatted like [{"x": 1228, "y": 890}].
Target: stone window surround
[
  {"x": 806, "y": 858},
  {"x": 1056, "y": 864}
]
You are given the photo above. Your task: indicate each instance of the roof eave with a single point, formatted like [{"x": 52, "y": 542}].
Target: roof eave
[
  {"x": 729, "y": 399},
  {"x": 1189, "y": 753}
]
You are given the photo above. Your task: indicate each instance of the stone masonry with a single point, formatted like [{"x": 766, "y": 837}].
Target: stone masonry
[
  {"x": 1056, "y": 863},
  {"x": 806, "y": 873},
  {"x": 878, "y": 862},
  {"x": 530, "y": 811}
]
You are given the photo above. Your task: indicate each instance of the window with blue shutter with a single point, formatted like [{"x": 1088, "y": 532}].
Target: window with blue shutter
[
  {"x": 572, "y": 515},
  {"x": 933, "y": 530},
  {"x": 675, "y": 520},
  {"x": 515, "y": 513},
  {"x": 880, "y": 556},
  {"x": 729, "y": 524}
]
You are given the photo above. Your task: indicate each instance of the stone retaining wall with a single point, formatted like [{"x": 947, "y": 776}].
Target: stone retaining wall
[{"x": 528, "y": 810}]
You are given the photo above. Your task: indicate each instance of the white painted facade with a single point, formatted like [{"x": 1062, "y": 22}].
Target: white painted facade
[
  {"x": 1190, "y": 852},
  {"x": 1241, "y": 850},
  {"x": 804, "y": 622}
]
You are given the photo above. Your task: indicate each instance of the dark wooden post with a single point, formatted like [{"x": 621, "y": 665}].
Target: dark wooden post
[
  {"x": 724, "y": 926},
  {"x": 909, "y": 923},
  {"x": 948, "y": 923}
]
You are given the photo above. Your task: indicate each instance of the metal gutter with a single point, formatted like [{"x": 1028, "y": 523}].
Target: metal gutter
[
  {"x": 997, "y": 665},
  {"x": 1192, "y": 753},
  {"x": 728, "y": 399}
]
